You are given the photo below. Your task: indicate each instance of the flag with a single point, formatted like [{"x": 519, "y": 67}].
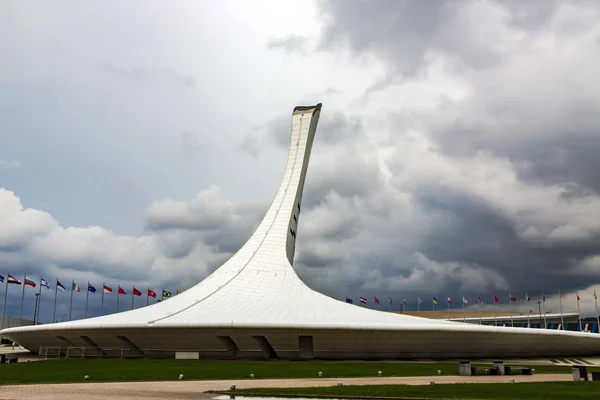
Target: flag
[
  {"x": 151, "y": 293},
  {"x": 29, "y": 282},
  {"x": 75, "y": 288},
  {"x": 363, "y": 300},
  {"x": 166, "y": 294},
  {"x": 60, "y": 286},
  {"x": 578, "y": 297},
  {"x": 136, "y": 292},
  {"x": 435, "y": 301},
  {"x": 121, "y": 290},
  {"x": 13, "y": 280},
  {"x": 595, "y": 297},
  {"x": 348, "y": 299},
  {"x": 404, "y": 301},
  {"x": 376, "y": 300},
  {"x": 449, "y": 301},
  {"x": 512, "y": 298},
  {"x": 91, "y": 288},
  {"x": 527, "y": 297},
  {"x": 107, "y": 289},
  {"x": 479, "y": 300},
  {"x": 44, "y": 283},
  {"x": 496, "y": 300},
  {"x": 465, "y": 300},
  {"x": 1, "y": 278},
  {"x": 390, "y": 299},
  {"x": 419, "y": 300}
]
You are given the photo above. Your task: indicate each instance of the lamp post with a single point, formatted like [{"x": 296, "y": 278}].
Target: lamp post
[
  {"x": 540, "y": 309},
  {"x": 9, "y": 317},
  {"x": 62, "y": 317},
  {"x": 528, "y": 314}
]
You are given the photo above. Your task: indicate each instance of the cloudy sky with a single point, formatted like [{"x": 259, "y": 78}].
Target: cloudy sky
[{"x": 457, "y": 152}]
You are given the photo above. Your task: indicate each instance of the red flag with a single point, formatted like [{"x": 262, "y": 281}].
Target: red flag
[
  {"x": 122, "y": 291},
  {"x": 136, "y": 292},
  {"x": 107, "y": 289},
  {"x": 496, "y": 299},
  {"x": 151, "y": 293}
]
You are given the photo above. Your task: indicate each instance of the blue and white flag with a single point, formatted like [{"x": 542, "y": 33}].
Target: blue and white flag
[
  {"x": 1, "y": 278},
  {"x": 91, "y": 288},
  {"x": 59, "y": 286},
  {"x": 44, "y": 283},
  {"x": 349, "y": 300}
]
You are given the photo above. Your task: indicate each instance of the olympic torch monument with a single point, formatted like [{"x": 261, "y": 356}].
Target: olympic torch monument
[{"x": 255, "y": 306}]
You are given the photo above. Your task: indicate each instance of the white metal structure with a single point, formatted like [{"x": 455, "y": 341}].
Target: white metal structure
[{"x": 256, "y": 306}]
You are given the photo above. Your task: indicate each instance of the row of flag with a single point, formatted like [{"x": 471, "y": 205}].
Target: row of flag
[
  {"x": 465, "y": 300},
  {"x": 76, "y": 288}
]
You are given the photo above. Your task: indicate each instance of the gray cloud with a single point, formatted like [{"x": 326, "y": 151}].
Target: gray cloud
[{"x": 290, "y": 44}]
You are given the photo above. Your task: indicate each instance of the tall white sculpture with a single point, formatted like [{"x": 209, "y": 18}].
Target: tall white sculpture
[{"x": 255, "y": 305}]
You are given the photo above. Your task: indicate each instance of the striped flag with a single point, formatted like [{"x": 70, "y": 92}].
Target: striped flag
[{"x": 363, "y": 300}]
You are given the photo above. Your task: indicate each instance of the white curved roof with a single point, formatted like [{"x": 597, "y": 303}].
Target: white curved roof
[{"x": 258, "y": 287}]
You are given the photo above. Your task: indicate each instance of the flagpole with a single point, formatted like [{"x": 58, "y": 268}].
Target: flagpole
[
  {"x": 544, "y": 309},
  {"x": 54, "y": 308},
  {"x": 418, "y": 304},
  {"x": 102, "y": 301},
  {"x": 562, "y": 321},
  {"x": 595, "y": 299},
  {"x": 22, "y": 298},
  {"x": 6, "y": 293},
  {"x": 494, "y": 305},
  {"x": 448, "y": 308},
  {"x": 480, "y": 305},
  {"x": 87, "y": 296},
  {"x": 133, "y": 287},
  {"x": 118, "y": 292},
  {"x": 38, "y": 303},
  {"x": 433, "y": 302},
  {"x": 579, "y": 313},
  {"x": 71, "y": 301},
  {"x": 464, "y": 318},
  {"x": 148, "y": 296}
]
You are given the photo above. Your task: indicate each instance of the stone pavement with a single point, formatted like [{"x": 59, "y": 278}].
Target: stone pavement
[{"x": 195, "y": 389}]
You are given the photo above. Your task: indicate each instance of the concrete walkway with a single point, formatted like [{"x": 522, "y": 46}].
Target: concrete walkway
[{"x": 195, "y": 389}]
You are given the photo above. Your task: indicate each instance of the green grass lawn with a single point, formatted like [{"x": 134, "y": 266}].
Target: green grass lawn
[
  {"x": 116, "y": 370},
  {"x": 525, "y": 391}
]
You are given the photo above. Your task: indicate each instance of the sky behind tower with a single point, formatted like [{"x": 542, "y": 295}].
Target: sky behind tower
[{"x": 142, "y": 142}]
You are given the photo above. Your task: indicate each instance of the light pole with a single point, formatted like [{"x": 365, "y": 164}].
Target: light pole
[
  {"x": 62, "y": 317},
  {"x": 540, "y": 309},
  {"x": 9, "y": 317},
  {"x": 528, "y": 314}
]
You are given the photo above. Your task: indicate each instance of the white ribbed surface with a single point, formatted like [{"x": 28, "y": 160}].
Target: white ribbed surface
[{"x": 258, "y": 287}]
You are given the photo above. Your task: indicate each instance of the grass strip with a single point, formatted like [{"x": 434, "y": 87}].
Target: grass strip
[
  {"x": 117, "y": 370},
  {"x": 491, "y": 391}
]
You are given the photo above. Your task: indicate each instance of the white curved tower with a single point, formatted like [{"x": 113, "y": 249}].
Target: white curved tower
[{"x": 255, "y": 305}]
